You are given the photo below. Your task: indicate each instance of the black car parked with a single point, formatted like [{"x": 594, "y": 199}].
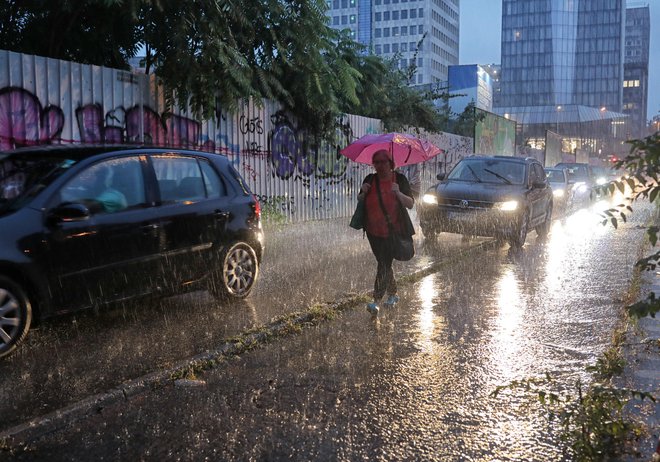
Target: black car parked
[
  {"x": 86, "y": 226},
  {"x": 502, "y": 197}
]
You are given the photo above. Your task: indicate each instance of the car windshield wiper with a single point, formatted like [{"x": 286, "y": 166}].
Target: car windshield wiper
[
  {"x": 503, "y": 178},
  {"x": 474, "y": 174}
]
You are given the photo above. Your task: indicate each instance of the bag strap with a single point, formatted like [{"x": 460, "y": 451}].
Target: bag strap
[{"x": 382, "y": 207}]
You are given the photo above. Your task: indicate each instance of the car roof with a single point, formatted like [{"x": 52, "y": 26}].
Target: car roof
[
  {"x": 520, "y": 160},
  {"x": 80, "y": 152},
  {"x": 553, "y": 169}
]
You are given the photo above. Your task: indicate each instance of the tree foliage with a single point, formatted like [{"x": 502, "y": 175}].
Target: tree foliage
[
  {"x": 211, "y": 53},
  {"x": 642, "y": 168}
]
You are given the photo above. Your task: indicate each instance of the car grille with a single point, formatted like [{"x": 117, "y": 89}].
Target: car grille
[{"x": 464, "y": 204}]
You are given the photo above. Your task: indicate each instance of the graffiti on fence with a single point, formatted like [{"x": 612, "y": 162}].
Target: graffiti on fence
[
  {"x": 294, "y": 150},
  {"x": 24, "y": 122}
]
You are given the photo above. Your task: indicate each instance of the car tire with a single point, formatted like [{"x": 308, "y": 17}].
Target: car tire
[
  {"x": 15, "y": 315},
  {"x": 518, "y": 239},
  {"x": 239, "y": 268},
  {"x": 543, "y": 229}
]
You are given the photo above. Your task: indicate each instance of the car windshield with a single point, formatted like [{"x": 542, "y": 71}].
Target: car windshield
[
  {"x": 489, "y": 171},
  {"x": 576, "y": 172},
  {"x": 23, "y": 176},
  {"x": 555, "y": 176}
]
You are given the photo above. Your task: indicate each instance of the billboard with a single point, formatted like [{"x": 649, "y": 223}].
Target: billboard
[
  {"x": 553, "y": 143},
  {"x": 494, "y": 135}
]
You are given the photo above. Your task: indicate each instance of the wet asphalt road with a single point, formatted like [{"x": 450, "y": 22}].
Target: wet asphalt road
[{"x": 411, "y": 384}]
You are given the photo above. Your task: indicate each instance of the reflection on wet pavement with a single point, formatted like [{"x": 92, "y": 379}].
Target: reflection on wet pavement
[{"x": 412, "y": 384}]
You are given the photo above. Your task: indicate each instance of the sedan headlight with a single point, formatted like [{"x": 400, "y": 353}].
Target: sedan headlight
[
  {"x": 601, "y": 180},
  {"x": 431, "y": 199},
  {"x": 580, "y": 187},
  {"x": 558, "y": 193},
  {"x": 508, "y": 206}
]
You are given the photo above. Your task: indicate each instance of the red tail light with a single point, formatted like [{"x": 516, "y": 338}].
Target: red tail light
[{"x": 257, "y": 207}]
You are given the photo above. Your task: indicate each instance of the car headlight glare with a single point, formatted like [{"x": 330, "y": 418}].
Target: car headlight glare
[
  {"x": 558, "y": 193},
  {"x": 508, "y": 206},
  {"x": 430, "y": 199},
  {"x": 581, "y": 188},
  {"x": 601, "y": 180}
]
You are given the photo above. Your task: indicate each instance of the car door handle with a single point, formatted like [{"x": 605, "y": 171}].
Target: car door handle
[{"x": 220, "y": 215}]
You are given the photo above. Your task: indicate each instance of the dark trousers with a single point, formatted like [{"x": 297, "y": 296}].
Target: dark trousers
[{"x": 385, "y": 282}]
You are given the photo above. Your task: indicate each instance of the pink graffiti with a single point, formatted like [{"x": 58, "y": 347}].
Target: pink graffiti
[
  {"x": 24, "y": 122},
  {"x": 137, "y": 125}
]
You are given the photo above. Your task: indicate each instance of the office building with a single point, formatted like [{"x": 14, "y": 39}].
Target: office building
[
  {"x": 394, "y": 28},
  {"x": 636, "y": 68},
  {"x": 562, "y": 70}
]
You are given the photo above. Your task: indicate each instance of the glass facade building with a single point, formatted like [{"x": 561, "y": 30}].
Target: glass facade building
[
  {"x": 562, "y": 69},
  {"x": 636, "y": 69},
  {"x": 392, "y": 28},
  {"x": 562, "y": 52}
]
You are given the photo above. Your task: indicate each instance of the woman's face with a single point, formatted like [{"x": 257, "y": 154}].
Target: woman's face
[{"x": 382, "y": 163}]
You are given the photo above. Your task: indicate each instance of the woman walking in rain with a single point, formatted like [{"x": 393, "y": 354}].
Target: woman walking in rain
[{"x": 387, "y": 194}]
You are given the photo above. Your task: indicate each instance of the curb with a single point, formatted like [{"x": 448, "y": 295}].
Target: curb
[{"x": 280, "y": 327}]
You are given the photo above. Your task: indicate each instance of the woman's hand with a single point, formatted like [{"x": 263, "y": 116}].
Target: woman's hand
[
  {"x": 365, "y": 188},
  {"x": 395, "y": 189}
]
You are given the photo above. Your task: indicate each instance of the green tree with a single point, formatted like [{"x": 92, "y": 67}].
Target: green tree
[
  {"x": 642, "y": 167},
  {"x": 215, "y": 53}
]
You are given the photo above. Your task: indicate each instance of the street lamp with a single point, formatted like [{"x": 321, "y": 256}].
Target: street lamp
[{"x": 557, "y": 119}]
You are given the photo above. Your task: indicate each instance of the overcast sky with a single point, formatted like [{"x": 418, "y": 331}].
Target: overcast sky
[{"x": 481, "y": 29}]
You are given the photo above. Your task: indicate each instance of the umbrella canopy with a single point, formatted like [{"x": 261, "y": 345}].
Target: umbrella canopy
[{"x": 404, "y": 149}]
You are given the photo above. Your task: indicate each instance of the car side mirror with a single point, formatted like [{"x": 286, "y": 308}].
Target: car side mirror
[
  {"x": 69, "y": 212},
  {"x": 538, "y": 185},
  {"x": 440, "y": 176}
]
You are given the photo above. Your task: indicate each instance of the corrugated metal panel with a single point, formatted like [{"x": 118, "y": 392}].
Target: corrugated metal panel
[{"x": 52, "y": 101}]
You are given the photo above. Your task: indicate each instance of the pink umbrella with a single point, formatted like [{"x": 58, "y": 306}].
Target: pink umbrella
[{"x": 404, "y": 149}]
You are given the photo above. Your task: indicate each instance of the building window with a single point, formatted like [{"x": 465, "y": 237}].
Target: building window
[
  {"x": 395, "y": 32},
  {"x": 378, "y": 16},
  {"x": 378, "y": 2},
  {"x": 404, "y": 47},
  {"x": 378, "y": 33},
  {"x": 420, "y": 29},
  {"x": 395, "y": 48},
  {"x": 386, "y": 32},
  {"x": 404, "y": 14},
  {"x": 344, "y": 3},
  {"x": 386, "y": 16},
  {"x": 395, "y": 15},
  {"x": 386, "y": 48},
  {"x": 403, "y": 63},
  {"x": 335, "y": 4},
  {"x": 379, "y": 49},
  {"x": 335, "y": 20},
  {"x": 420, "y": 62},
  {"x": 413, "y": 13},
  {"x": 352, "y": 19},
  {"x": 413, "y": 30},
  {"x": 404, "y": 30},
  {"x": 344, "y": 19},
  {"x": 351, "y": 2}
]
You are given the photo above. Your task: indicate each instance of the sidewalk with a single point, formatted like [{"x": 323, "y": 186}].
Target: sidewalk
[{"x": 642, "y": 373}]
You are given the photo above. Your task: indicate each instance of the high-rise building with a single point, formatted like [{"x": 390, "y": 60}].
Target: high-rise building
[
  {"x": 394, "y": 28},
  {"x": 559, "y": 52},
  {"x": 562, "y": 70},
  {"x": 636, "y": 68}
]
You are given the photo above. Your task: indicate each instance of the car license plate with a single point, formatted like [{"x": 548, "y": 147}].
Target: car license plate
[{"x": 458, "y": 216}]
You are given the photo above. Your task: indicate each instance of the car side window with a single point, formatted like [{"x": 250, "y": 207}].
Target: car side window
[
  {"x": 108, "y": 186},
  {"x": 179, "y": 178},
  {"x": 533, "y": 175},
  {"x": 539, "y": 173},
  {"x": 215, "y": 186}
]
